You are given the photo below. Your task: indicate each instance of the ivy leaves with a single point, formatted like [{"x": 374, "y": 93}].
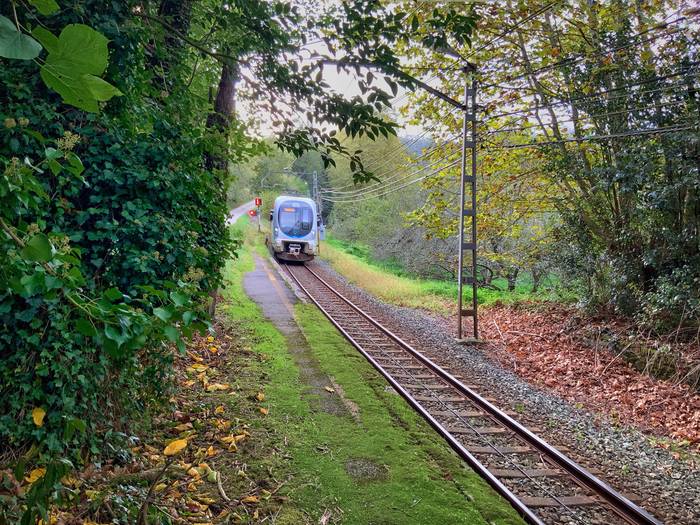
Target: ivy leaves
[{"x": 76, "y": 59}]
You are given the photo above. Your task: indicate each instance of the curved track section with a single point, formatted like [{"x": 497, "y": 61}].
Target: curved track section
[{"x": 539, "y": 481}]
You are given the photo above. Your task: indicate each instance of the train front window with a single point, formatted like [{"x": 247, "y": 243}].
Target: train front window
[{"x": 295, "y": 218}]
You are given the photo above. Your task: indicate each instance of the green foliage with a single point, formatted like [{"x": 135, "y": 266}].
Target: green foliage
[
  {"x": 75, "y": 62},
  {"x": 76, "y": 58}
]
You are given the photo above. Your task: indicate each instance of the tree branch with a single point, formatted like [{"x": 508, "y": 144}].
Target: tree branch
[{"x": 402, "y": 74}]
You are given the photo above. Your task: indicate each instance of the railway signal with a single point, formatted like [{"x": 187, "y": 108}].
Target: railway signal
[{"x": 258, "y": 201}]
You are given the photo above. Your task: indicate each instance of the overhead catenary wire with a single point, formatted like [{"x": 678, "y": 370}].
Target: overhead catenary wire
[
  {"x": 510, "y": 29},
  {"x": 387, "y": 157},
  {"x": 380, "y": 188},
  {"x": 584, "y": 116},
  {"x": 575, "y": 59},
  {"x": 359, "y": 199},
  {"x": 568, "y": 101},
  {"x": 410, "y": 162},
  {"x": 662, "y": 130}
]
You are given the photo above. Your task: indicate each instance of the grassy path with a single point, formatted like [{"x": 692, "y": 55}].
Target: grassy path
[{"x": 375, "y": 462}]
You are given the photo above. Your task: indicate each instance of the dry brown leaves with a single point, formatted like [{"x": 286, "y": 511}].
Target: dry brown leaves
[{"x": 543, "y": 346}]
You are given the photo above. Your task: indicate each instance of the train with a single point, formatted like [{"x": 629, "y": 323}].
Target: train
[{"x": 294, "y": 229}]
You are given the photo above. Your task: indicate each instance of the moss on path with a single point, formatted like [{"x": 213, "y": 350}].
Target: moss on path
[{"x": 376, "y": 462}]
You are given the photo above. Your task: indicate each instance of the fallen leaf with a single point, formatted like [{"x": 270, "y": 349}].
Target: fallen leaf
[
  {"x": 264, "y": 411},
  {"x": 219, "y": 409},
  {"x": 210, "y": 339},
  {"x": 183, "y": 427},
  {"x": 195, "y": 357},
  {"x": 38, "y": 416},
  {"x": 199, "y": 367},
  {"x": 35, "y": 475},
  {"x": 175, "y": 446},
  {"x": 211, "y": 451},
  {"x": 250, "y": 499},
  {"x": 260, "y": 396},
  {"x": 160, "y": 487},
  {"x": 329, "y": 389},
  {"x": 217, "y": 386},
  {"x": 213, "y": 349}
]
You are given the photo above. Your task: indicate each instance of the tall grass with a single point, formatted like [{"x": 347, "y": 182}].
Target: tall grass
[{"x": 389, "y": 282}]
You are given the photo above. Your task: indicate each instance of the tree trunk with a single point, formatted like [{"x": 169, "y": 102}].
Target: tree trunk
[
  {"x": 219, "y": 120},
  {"x": 536, "y": 279},
  {"x": 512, "y": 277}
]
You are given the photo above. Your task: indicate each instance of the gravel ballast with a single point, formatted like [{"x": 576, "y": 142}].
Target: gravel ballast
[{"x": 624, "y": 457}]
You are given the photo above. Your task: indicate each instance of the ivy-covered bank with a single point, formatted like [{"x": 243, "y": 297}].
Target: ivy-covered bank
[{"x": 118, "y": 128}]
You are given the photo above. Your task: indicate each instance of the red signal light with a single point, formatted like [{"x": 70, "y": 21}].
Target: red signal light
[
  {"x": 252, "y": 213},
  {"x": 258, "y": 201}
]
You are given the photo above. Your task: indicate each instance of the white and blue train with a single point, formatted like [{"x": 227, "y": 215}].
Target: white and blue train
[{"x": 294, "y": 224}]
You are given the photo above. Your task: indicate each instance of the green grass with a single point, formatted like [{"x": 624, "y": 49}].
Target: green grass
[
  {"x": 424, "y": 481},
  {"x": 391, "y": 283}
]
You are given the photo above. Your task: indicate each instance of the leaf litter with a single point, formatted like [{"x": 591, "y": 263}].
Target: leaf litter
[
  {"x": 553, "y": 347},
  {"x": 201, "y": 462}
]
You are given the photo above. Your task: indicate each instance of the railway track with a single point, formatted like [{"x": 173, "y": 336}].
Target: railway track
[{"x": 538, "y": 480}]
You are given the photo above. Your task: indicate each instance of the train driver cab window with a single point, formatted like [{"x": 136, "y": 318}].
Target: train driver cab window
[{"x": 295, "y": 218}]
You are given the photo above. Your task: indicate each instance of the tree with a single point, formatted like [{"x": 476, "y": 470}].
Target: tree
[{"x": 603, "y": 98}]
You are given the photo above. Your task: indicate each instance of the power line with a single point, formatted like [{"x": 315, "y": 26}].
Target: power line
[
  {"x": 661, "y": 131},
  {"x": 454, "y": 163},
  {"x": 573, "y": 60},
  {"x": 598, "y": 94},
  {"x": 582, "y": 116},
  {"x": 394, "y": 152},
  {"x": 510, "y": 29},
  {"x": 384, "y": 186},
  {"x": 413, "y": 161}
]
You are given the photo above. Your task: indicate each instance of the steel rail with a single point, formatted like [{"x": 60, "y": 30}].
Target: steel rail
[
  {"x": 618, "y": 503},
  {"x": 528, "y": 515}
]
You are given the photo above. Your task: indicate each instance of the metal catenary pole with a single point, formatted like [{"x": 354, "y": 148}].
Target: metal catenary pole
[
  {"x": 319, "y": 204},
  {"x": 468, "y": 143}
]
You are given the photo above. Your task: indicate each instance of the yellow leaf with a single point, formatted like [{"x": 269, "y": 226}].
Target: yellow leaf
[
  {"x": 210, "y": 339},
  {"x": 195, "y": 357},
  {"x": 211, "y": 451},
  {"x": 264, "y": 411},
  {"x": 35, "y": 475},
  {"x": 250, "y": 499},
  {"x": 260, "y": 396},
  {"x": 213, "y": 349},
  {"x": 160, "y": 487},
  {"x": 193, "y": 472},
  {"x": 38, "y": 416},
  {"x": 329, "y": 389},
  {"x": 217, "y": 386},
  {"x": 184, "y": 426},
  {"x": 199, "y": 367},
  {"x": 228, "y": 439},
  {"x": 175, "y": 446},
  {"x": 219, "y": 409},
  {"x": 232, "y": 447},
  {"x": 239, "y": 437}
]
